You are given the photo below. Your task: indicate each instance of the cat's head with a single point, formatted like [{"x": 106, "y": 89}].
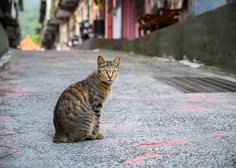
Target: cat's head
[{"x": 108, "y": 70}]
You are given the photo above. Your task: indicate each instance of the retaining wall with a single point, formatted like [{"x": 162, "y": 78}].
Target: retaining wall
[{"x": 209, "y": 38}]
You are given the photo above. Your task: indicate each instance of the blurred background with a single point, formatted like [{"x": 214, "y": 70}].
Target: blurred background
[
  {"x": 63, "y": 23},
  {"x": 92, "y": 24}
]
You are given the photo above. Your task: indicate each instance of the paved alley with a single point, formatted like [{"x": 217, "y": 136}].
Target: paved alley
[{"x": 147, "y": 122}]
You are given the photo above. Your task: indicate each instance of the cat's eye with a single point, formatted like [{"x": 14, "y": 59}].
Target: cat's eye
[
  {"x": 115, "y": 71},
  {"x": 103, "y": 71}
]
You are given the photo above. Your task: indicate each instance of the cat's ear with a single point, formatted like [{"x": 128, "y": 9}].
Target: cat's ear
[
  {"x": 116, "y": 61},
  {"x": 100, "y": 60}
]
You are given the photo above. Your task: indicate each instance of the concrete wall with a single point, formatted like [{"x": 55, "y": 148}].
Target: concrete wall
[
  {"x": 4, "y": 43},
  {"x": 97, "y": 43},
  {"x": 209, "y": 38},
  {"x": 117, "y": 20}
]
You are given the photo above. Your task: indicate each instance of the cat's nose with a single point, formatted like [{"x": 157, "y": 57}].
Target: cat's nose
[{"x": 109, "y": 75}]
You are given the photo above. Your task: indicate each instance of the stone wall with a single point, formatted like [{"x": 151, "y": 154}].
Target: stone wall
[
  {"x": 4, "y": 43},
  {"x": 209, "y": 38}
]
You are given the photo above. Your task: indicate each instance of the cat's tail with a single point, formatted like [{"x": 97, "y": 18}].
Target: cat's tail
[{"x": 59, "y": 136}]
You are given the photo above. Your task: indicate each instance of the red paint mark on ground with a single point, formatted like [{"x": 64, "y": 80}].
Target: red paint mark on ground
[
  {"x": 11, "y": 91},
  {"x": 230, "y": 106},
  {"x": 4, "y": 131},
  {"x": 3, "y": 118},
  {"x": 3, "y": 165},
  {"x": 193, "y": 108},
  {"x": 150, "y": 144},
  {"x": 44, "y": 86},
  {"x": 200, "y": 97},
  {"x": 141, "y": 159},
  {"x": 218, "y": 134},
  {"x": 14, "y": 151},
  {"x": 18, "y": 91},
  {"x": 12, "y": 82}
]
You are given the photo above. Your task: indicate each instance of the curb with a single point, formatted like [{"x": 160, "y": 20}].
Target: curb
[{"x": 5, "y": 58}]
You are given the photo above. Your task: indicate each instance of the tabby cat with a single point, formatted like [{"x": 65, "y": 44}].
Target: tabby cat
[{"x": 78, "y": 109}]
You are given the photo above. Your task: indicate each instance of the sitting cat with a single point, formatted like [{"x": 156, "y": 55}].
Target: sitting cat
[{"x": 78, "y": 109}]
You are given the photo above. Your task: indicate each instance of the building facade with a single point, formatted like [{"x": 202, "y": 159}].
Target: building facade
[
  {"x": 9, "y": 19},
  {"x": 70, "y": 22}
]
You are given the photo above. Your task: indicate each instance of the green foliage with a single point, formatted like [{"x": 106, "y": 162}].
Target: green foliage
[
  {"x": 51, "y": 11},
  {"x": 29, "y": 20},
  {"x": 34, "y": 36}
]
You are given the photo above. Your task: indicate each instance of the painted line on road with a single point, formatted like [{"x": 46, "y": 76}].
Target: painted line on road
[{"x": 149, "y": 144}]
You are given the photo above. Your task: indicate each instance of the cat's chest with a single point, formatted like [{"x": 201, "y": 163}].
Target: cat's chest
[
  {"x": 99, "y": 95},
  {"x": 100, "y": 91}
]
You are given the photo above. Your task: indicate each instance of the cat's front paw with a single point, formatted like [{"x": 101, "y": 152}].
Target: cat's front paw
[
  {"x": 100, "y": 136},
  {"x": 91, "y": 137}
]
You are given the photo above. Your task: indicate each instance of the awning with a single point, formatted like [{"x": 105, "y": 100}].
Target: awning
[
  {"x": 69, "y": 5},
  {"x": 54, "y": 21},
  {"x": 61, "y": 13},
  {"x": 51, "y": 28}
]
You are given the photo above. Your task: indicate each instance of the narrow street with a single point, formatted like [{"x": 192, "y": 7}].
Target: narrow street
[{"x": 147, "y": 120}]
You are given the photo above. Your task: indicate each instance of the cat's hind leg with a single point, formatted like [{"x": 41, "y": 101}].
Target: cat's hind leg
[
  {"x": 82, "y": 134},
  {"x": 78, "y": 137},
  {"x": 60, "y": 138}
]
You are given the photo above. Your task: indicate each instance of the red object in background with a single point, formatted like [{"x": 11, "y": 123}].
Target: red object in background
[
  {"x": 110, "y": 18},
  {"x": 129, "y": 20},
  {"x": 109, "y": 35}
]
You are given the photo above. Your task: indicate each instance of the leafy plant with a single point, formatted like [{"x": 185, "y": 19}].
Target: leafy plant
[{"x": 29, "y": 20}]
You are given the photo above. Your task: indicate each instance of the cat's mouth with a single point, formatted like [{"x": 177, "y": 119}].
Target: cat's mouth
[{"x": 109, "y": 80}]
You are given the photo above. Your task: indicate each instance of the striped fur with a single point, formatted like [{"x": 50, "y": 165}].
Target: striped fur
[{"x": 78, "y": 110}]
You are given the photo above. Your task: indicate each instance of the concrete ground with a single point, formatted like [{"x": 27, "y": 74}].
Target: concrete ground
[{"x": 147, "y": 123}]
